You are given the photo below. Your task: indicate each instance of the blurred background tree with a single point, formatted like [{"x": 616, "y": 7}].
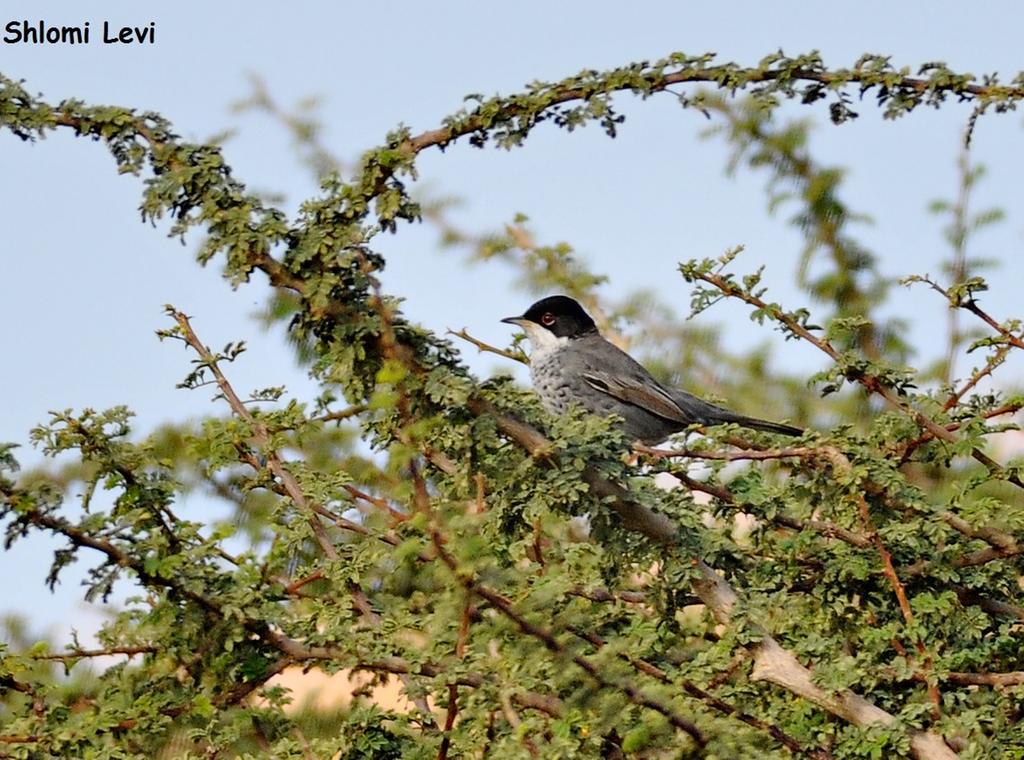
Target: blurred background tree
[{"x": 534, "y": 587}]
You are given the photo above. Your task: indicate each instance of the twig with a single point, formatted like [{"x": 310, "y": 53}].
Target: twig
[
  {"x": 906, "y": 449},
  {"x": 727, "y": 456},
  {"x": 1015, "y": 678},
  {"x": 293, "y": 588},
  {"x": 604, "y": 595},
  {"x": 901, "y": 596},
  {"x": 827, "y": 529},
  {"x": 341, "y": 414},
  {"x": 516, "y": 356},
  {"x": 968, "y": 596},
  {"x": 997, "y": 358},
  {"x": 78, "y": 654},
  {"x": 971, "y": 305},
  {"x": 396, "y": 515},
  {"x": 449, "y": 721}
]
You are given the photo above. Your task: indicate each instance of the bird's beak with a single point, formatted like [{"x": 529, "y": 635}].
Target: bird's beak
[{"x": 514, "y": 321}]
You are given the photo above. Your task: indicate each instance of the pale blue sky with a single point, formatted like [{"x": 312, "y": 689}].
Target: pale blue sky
[{"x": 83, "y": 282}]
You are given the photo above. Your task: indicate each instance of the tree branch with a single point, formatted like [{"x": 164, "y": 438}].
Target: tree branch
[{"x": 487, "y": 347}]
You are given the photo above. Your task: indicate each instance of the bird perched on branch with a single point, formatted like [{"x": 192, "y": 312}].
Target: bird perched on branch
[{"x": 570, "y": 363}]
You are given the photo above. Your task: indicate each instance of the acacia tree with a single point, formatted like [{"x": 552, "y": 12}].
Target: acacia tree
[{"x": 872, "y": 607}]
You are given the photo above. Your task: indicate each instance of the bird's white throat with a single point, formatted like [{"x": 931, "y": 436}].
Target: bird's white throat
[{"x": 543, "y": 342}]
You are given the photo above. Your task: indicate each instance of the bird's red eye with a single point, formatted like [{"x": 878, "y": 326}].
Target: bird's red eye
[{"x": 548, "y": 319}]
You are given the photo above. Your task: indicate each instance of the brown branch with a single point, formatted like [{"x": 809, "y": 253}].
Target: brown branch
[
  {"x": 901, "y": 596},
  {"x": 546, "y": 703},
  {"x": 15, "y": 739},
  {"x": 906, "y": 449},
  {"x": 827, "y": 529},
  {"x": 994, "y": 361},
  {"x": 729, "y": 670},
  {"x": 728, "y": 456},
  {"x": 395, "y": 514},
  {"x": 8, "y": 681},
  {"x": 604, "y": 595},
  {"x": 449, "y": 721},
  {"x": 887, "y": 567},
  {"x": 970, "y": 304},
  {"x": 516, "y": 356},
  {"x": 291, "y": 589},
  {"x": 341, "y": 414},
  {"x": 969, "y": 596},
  {"x": 1015, "y": 678},
  {"x": 78, "y": 654}
]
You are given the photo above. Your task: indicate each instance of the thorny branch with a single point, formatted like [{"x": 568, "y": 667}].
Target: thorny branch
[
  {"x": 261, "y": 437},
  {"x": 870, "y": 382},
  {"x": 487, "y": 347}
]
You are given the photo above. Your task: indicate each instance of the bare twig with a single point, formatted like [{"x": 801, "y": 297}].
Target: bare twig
[
  {"x": 449, "y": 721},
  {"x": 79, "y": 654},
  {"x": 994, "y": 360},
  {"x": 395, "y": 514},
  {"x": 342, "y": 414},
  {"x": 516, "y": 356},
  {"x": 802, "y": 452},
  {"x": 971, "y": 305},
  {"x": 1015, "y": 678}
]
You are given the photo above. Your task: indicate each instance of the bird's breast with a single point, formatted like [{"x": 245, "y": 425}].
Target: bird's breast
[{"x": 549, "y": 378}]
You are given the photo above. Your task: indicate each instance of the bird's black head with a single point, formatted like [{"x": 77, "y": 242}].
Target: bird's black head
[{"x": 560, "y": 315}]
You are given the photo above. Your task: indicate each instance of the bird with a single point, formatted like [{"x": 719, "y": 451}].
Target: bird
[{"x": 571, "y": 363}]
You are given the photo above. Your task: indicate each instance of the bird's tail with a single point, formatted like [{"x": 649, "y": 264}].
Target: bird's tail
[
  {"x": 709, "y": 414},
  {"x": 765, "y": 425}
]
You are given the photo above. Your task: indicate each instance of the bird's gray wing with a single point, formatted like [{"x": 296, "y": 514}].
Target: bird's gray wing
[
  {"x": 607, "y": 369},
  {"x": 639, "y": 390}
]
